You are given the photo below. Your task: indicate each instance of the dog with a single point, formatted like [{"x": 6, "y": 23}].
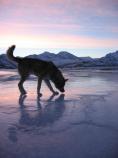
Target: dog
[{"x": 42, "y": 69}]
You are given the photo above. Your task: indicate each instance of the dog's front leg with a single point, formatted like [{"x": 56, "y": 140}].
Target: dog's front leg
[
  {"x": 20, "y": 85},
  {"x": 50, "y": 87},
  {"x": 39, "y": 86}
]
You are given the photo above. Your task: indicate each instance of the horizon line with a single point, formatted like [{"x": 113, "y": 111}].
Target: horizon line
[{"x": 68, "y": 51}]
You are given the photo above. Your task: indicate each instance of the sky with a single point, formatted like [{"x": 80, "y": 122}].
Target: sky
[{"x": 82, "y": 27}]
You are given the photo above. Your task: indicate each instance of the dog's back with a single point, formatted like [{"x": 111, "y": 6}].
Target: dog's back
[
  {"x": 36, "y": 67},
  {"x": 29, "y": 65}
]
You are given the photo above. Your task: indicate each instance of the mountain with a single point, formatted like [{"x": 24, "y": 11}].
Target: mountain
[
  {"x": 66, "y": 59},
  {"x": 110, "y": 59},
  {"x": 6, "y": 63},
  {"x": 66, "y": 55},
  {"x": 61, "y": 59}
]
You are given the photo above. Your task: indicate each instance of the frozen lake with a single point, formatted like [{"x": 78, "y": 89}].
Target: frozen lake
[{"x": 83, "y": 123}]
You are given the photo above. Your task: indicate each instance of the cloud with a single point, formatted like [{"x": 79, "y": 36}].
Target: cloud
[
  {"x": 63, "y": 9},
  {"x": 59, "y": 23},
  {"x": 53, "y": 41}
]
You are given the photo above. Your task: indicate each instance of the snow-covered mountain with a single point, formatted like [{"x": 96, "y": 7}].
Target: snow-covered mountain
[
  {"x": 110, "y": 59},
  {"x": 65, "y": 59},
  {"x": 6, "y": 63},
  {"x": 61, "y": 59}
]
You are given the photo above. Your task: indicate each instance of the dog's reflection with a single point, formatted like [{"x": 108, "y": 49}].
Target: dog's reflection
[{"x": 45, "y": 115}]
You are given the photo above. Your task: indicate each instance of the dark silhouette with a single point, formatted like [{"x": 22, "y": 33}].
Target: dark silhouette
[{"x": 42, "y": 69}]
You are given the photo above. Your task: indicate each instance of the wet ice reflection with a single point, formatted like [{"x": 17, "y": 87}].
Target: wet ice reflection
[{"x": 84, "y": 119}]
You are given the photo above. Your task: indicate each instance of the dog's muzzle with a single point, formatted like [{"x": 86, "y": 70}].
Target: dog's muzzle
[{"x": 62, "y": 90}]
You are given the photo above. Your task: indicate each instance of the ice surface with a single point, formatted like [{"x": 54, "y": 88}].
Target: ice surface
[{"x": 83, "y": 123}]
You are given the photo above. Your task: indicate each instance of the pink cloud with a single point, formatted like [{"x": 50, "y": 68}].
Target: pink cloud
[
  {"x": 65, "y": 8},
  {"x": 34, "y": 21},
  {"x": 60, "y": 41}
]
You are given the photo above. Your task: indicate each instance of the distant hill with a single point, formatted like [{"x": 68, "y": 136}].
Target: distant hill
[
  {"x": 110, "y": 59},
  {"x": 6, "y": 63},
  {"x": 66, "y": 59}
]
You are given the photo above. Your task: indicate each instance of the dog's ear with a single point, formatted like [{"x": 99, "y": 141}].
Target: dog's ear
[{"x": 66, "y": 80}]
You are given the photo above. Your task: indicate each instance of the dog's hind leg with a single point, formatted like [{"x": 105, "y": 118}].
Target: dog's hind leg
[
  {"x": 50, "y": 87},
  {"x": 20, "y": 84}
]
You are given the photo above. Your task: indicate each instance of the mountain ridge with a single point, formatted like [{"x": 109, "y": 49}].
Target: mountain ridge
[{"x": 66, "y": 59}]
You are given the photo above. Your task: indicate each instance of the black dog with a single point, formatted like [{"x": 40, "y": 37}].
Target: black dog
[{"x": 42, "y": 69}]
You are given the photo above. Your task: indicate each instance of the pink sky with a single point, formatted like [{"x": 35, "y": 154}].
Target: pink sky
[{"x": 59, "y": 24}]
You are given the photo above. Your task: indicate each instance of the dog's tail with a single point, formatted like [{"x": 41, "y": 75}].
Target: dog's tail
[{"x": 10, "y": 54}]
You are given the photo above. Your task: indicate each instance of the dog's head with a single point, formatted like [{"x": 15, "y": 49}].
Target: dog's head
[
  {"x": 60, "y": 85},
  {"x": 60, "y": 81}
]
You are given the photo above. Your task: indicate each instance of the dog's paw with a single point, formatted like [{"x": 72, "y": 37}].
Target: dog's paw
[
  {"x": 40, "y": 95},
  {"x": 55, "y": 93},
  {"x": 23, "y": 93}
]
